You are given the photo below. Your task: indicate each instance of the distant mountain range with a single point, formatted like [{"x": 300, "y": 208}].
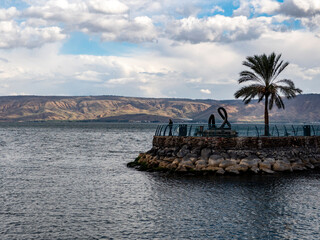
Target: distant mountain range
[{"x": 303, "y": 108}]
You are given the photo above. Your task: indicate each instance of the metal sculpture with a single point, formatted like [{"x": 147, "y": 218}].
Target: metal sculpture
[
  {"x": 222, "y": 131},
  {"x": 224, "y": 115},
  {"x": 212, "y": 122}
]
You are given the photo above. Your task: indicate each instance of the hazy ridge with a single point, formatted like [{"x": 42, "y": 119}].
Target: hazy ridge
[{"x": 304, "y": 108}]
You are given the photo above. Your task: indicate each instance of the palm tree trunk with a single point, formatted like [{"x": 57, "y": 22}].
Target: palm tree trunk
[{"x": 266, "y": 116}]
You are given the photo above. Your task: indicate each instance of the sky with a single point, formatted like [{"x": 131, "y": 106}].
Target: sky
[{"x": 152, "y": 48}]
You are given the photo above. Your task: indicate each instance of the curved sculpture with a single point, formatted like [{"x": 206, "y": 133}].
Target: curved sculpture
[
  {"x": 224, "y": 115},
  {"x": 212, "y": 122}
]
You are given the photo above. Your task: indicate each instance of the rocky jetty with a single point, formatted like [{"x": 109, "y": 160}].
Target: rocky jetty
[{"x": 238, "y": 155}]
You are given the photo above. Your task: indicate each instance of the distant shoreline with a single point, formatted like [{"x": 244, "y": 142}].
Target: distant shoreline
[{"x": 303, "y": 108}]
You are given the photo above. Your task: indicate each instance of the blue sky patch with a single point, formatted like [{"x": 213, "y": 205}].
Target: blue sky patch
[{"x": 80, "y": 43}]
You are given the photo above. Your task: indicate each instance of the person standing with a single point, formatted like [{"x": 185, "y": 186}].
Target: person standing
[{"x": 170, "y": 127}]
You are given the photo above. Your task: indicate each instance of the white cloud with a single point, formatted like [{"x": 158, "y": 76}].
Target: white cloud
[
  {"x": 245, "y": 9},
  {"x": 108, "y": 7},
  {"x": 218, "y": 29},
  {"x": 300, "y": 8},
  {"x": 206, "y": 91},
  {"x": 216, "y": 9},
  {"x": 266, "y": 6},
  {"x": 8, "y": 14},
  {"x": 14, "y": 35},
  {"x": 109, "y": 18},
  {"x": 249, "y": 7}
]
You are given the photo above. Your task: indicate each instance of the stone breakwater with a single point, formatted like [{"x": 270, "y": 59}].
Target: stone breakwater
[{"x": 231, "y": 155}]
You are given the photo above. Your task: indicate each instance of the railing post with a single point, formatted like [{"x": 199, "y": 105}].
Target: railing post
[
  {"x": 157, "y": 130},
  {"x": 190, "y": 130},
  {"x": 285, "y": 131},
  {"x": 257, "y": 131}
]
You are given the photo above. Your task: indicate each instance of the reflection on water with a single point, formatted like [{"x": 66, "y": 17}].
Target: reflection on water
[{"x": 70, "y": 180}]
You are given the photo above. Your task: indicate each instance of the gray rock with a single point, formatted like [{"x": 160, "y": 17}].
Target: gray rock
[
  {"x": 250, "y": 162},
  {"x": 298, "y": 166},
  {"x": 201, "y": 165},
  {"x": 281, "y": 166},
  {"x": 267, "y": 170},
  {"x": 181, "y": 169},
  {"x": 227, "y": 163},
  {"x": 242, "y": 167},
  {"x": 163, "y": 164},
  {"x": 254, "y": 169},
  {"x": 309, "y": 165},
  {"x": 216, "y": 157},
  {"x": 176, "y": 161},
  {"x": 183, "y": 152},
  {"x": 265, "y": 165},
  {"x": 233, "y": 169},
  {"x": 190, "y": 155},
  {"x": 269, "y": 160},
  {"x": 220, "y": 171},
  {"x": 194, "y": 159},
  {"x": 215, "y": 162},
  {"x": 205, "y": 153},
  {"x": 237, "y": 168},
  {"x": 172, "y": 166},
  {"x": 313, "y": 160},
  {"x": 225, "y": 155},
  {"x": 196, "y": 151},
  {"x": 212, "y": 168},
  {"x": 186, "y": 164}
]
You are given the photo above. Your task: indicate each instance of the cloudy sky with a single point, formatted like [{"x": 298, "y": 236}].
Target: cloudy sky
[{"x": 152, "y": 48}]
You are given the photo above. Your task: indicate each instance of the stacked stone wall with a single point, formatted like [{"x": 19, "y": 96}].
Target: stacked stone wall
[{"x": 232, "y": 155}]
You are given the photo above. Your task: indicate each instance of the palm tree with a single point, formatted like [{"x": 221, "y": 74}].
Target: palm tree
[{"x": 265, "y": 70}]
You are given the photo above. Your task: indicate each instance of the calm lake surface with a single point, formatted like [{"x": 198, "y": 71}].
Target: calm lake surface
[{"x": 70, "y": 181}]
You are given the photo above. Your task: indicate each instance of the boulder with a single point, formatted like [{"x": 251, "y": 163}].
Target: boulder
[
  {"x": 266, "y": 170},
  {"x": 232, "y": 169},
  {"x": 265, "y": 165},
  {"x": 254, "y": 169},
  {"x": 194, "y": 159},
  {"x": 313, "y": 160},
  {"x": 250, "y": 162},
  {"x": 176, "y": 161},
  {"x": 281, "y": 166},
  {"x": 298, "y": 166},
  {"x": 216, "y": 157},
  {"x": 242, "y": 167},
  {"x": 309, "y": 165},
  {"x": 212, "y": 168},
  {"x": 215, "y": 162},
  {"x": 220, "y": 171},
  {"x": 237, "y": 167},
  {"x": 201, "y": 165},
  {"x": 172, "y": 166},
  {"x": 227, "y": 163},
  {"x": 183, "y": 151},
  {"x": 163, "y": 164},
  {"x": 181, "y": 169},
  {"x": 205, "y": 153},
  {"x": 269, "y": 160},
  {"x": 186, "y": 164}
]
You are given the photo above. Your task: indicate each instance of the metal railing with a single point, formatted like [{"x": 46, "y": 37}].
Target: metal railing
[{"x": 242, "y": 130}]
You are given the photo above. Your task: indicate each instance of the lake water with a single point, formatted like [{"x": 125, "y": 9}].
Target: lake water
[{"x": 70, "y": 181}]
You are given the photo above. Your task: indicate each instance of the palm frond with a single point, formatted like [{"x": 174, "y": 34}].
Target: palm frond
[
  {"x": 288, "y": 82},
  {"x": 249, "y": 92},
  {"x": 246, "y": 76},
  {"x": 278, "y": 101}
]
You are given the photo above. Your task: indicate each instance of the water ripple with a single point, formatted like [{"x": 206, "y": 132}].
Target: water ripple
[{"x": 69, "y": 181}]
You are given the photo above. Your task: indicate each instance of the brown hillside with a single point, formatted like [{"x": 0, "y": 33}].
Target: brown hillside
[{"x": 304, "y": 108}]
